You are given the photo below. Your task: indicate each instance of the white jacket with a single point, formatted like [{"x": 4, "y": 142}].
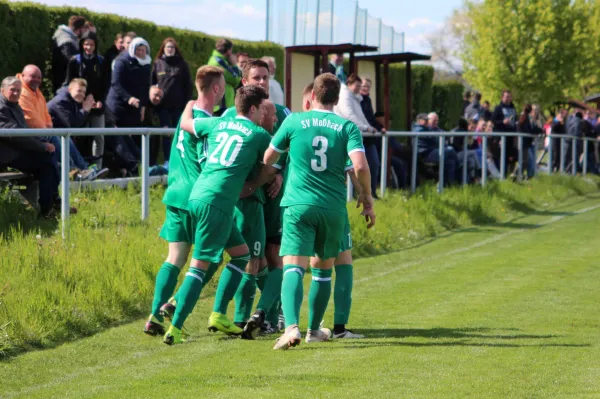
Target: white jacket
[
  {"x": 275, "y": 92},
  {"x": 348, "y": 107}
]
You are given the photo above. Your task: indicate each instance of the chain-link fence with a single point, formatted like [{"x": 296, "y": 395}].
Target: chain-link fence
[{"x": 304, "y": 22}]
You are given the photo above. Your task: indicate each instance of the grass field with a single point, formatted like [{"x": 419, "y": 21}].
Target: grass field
[{"x": 500, "y": 311}]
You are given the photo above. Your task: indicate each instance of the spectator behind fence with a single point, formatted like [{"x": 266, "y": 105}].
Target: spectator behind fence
[
  {"x": 242, "y": 59},
  {"x": 130, "y": 84},
  {"x": 485, "y": 113},
  {"x": 348, "y": 106},
  {"x": 150, "y": 120},
  {"x": 223, "y": 57},
  {"x": 69, "y": 109},
  {"x": 275, "y": 90},
  {"x": 89, "y": 27},
  {"x": 428, "y": 148},
  {"x": 466, "y": 100},
  {"x": 372, "y": 144},
  {"x": 26, "y": 154},
  {"x": 505, "y": 121},
  {"x": 473, "y": 110},
  {"x": 89, "y": 65},
  {"x": 65, "y": 46},
  {"x": 110, "y": 55},
  {"x": 32, "y": 100},
  {"x": 336, "y": 67}
]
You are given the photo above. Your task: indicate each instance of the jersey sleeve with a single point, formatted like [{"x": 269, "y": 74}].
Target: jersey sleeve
[
  {"x": 264, "y": 144},
  {"x": 229, "y": 113},
  {"x": 281, "y": 140},
  {"x": 281, "y": 162},
  {"x": 355, "y": 142},
  {"x": 349, "y": 165},
  {"x": 203, "y": 126}
]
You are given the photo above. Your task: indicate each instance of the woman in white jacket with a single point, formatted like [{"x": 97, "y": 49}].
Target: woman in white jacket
[{"x": 348, "y": 106}]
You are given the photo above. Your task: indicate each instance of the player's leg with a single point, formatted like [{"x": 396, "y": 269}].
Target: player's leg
[
  {"x": 342, "y": 295},
  {"x": 330, "y": 225},
  {"x": 177, "y": 231},
  {"x": 297, "y": 244},
  {"x": 209, "y": 240},
  {"x": 245, "y": 294}
]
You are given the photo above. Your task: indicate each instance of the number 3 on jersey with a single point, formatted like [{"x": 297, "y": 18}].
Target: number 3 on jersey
[
  {"x": 224, "y": 146},
  {"x": 320, "y": 145}
]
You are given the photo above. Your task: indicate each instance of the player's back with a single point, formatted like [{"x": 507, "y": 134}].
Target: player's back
[
  {"x": 234, "y": 146},
  {"x": 282, "y": 112},
  {"x": 319, "y": 143},
  {"x": 185, "y": 164}
]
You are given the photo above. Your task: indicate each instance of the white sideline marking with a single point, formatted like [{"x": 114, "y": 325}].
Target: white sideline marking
[{"x": 480, "y": 244}]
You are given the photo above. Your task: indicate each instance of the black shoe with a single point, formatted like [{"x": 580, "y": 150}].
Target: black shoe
[
  {"x": 240, "y": 324},
  {"x": 253, "y": 325}
]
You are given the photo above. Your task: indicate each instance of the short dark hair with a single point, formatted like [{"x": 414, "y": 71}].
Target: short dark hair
[
  {"x": 207, "y": 76},
  {"x": 486, "y": 102},
  {"x": 327, "y": 89},
  {"x": 118, "y": 36},
  {"x": 478, "y": 96},
  {"x": 506, "y": 91},
  {"x": 248, "y": 96},
  {"x": 89, "y": 25},
  {"x": 242, "y": 55},
  {"x": 131, "y": 35},
  {"x": 308, "y": 89},
  {"x": 251, "y": 64},
  {"x": 223, "y": 45},
  {"x": 76, "y": 22},
  {"x": 353, "y": 78}
]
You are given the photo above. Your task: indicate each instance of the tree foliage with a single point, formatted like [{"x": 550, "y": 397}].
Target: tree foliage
[{"x": 542, "y": 50}]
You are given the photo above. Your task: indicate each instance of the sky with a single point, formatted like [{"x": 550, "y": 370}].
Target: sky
[{"x": 246, "y": 19}]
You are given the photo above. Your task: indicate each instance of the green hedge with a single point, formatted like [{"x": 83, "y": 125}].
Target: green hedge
[
  {"x": 26, "y": 31},
  {"x": 447, "y": 101},
  {"x": 422, "y": 80}
]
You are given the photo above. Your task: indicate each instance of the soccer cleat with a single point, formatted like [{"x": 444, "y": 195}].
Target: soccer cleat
[
  {"x": 281, "y": 321},
  {"x": 253, "y": 325},
  {"x": 320, "y": 335},
  {"x": 268, "y": 329},
  {"x": 348, "y": 335},
  {"x": 174, "y": 336},
  {"x": 289, "y": 339},
  {"x": 240, "y": 324},
  {"x": 168, "y": 310},
  {"x": 220, "y": 322},
  {"x": 154, "y": 326}
]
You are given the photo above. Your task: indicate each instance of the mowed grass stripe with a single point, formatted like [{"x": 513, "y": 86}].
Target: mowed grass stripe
[{"x": 471, "y": 325}]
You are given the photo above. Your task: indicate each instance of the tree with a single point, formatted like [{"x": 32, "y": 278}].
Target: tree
[{"x": 532, "y": 47}]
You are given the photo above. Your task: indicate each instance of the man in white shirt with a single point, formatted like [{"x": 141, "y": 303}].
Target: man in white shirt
[
  {"x": 275, "y": 90},
  {"x": 348, "y": 106}
]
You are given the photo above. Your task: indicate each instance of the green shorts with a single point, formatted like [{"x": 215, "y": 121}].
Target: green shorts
[
  {"x": 272, "y": 210},
  {"x": 212, "y": 230},
  {"x": 310, "y": 230},
  {"x": 250, "y": 221},
  {"x": 178, "y": 226},
  {"x": 346, "y": 240}
]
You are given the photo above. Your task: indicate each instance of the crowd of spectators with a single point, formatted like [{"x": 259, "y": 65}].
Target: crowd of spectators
[{"x": 125, "y": 87}]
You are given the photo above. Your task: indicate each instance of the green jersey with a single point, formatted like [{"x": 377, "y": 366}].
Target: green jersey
[
  {"x": 281, "y": 112},
  {"x": 319, "y": 143},
  {"x": 185, "y": 164},
  {"x": 234, "y": 146}
]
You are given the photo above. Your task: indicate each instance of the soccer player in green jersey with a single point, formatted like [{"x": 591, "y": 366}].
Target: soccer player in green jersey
[
  {"x": 344, "y": 276},
  {"x": 268, "y": 276},
  {"x": 319, "y": 143},
  {"x": 183, "y": 173},
  {"x": 234, "y": 146}
]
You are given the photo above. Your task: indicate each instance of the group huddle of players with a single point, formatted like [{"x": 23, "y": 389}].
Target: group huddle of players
[{"x": 268, "y": 187}]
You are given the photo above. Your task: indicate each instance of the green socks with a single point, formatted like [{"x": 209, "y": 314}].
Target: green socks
[
  {"x": 229, "y": 282},
  {"x": 261, "y": 279},
  {"x": 166, "y": 280},
  {"x": 244, "y": 298},
  {"x": 342, "y": 294},
  {"x": 291, "y": 293},
  {"x": 318, "y": 296},
  {"x": 212, "y": 269},
  {"x": 189, "y": 292},
  {"x": 271, "y": 291}
]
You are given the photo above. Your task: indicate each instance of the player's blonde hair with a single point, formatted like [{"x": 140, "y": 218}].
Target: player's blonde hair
[{"x": 206, "y": 77}]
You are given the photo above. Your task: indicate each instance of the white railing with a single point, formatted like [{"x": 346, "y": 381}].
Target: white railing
[{"x": 65, "y": 135}]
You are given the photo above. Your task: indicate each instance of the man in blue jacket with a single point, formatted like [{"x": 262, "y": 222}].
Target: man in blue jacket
[{"x": 69, "y": 109}]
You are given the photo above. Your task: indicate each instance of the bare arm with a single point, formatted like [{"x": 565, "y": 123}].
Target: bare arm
[
  {"x": 267, "y": 172},
  {"x": 363, "y": 178}
]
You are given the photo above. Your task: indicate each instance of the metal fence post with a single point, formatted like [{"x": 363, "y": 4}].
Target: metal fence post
[
  {"x": 145, "y": 177},
  {"x": 585, "y": 156},
  {"x": 484, "y": 143},
  {"x": 384, "y": 164},
  {"x": 65, "y": 159},
  {"x": 464, "y": 171},
  {"x": 413, "y": 171},
  {"x": 562, "y": 155},
  {"x": 574, "y": 159},
  {"x": 349, "y": 188},
  {"x": 550, "y": 154},
  {"x": 502, "y": 157},
  {"x": 441, "y": 162},
  {"x": 520, "y": 159}
]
